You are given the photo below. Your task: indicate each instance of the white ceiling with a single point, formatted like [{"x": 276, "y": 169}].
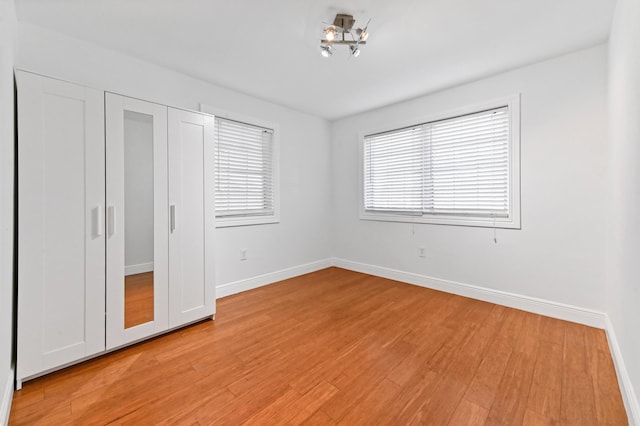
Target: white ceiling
[{"x": 270, "y": 48}]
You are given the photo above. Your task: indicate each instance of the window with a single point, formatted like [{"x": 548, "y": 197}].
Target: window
[
  {"x": 245, "y": 174},
  {"x": 460, "y": 170}
]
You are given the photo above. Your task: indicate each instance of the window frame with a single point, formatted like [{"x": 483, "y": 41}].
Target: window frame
[
  {"x": 512, "y": 102},
  {"x": 224, "y": 222}
]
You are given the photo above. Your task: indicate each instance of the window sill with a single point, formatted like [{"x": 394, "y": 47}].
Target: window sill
[
  {"x": 228, "y": 222},
  {"x": 507, "y": 223}
]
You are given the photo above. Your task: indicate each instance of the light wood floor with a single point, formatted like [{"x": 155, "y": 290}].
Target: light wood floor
[
  {"x": 138, "y": 297},
  {"x": 338, "y": 347}
]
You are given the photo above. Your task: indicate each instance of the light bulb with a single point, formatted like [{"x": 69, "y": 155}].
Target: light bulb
[
  {"x": 326, "y": 51},
  {"x": 330, "y": 33},
  {"x": 355, "y": 51},
  {"x": 362, "y": 34}
]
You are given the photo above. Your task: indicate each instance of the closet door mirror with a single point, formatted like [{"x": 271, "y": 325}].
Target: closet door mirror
[{"x": 138, "y": 218}]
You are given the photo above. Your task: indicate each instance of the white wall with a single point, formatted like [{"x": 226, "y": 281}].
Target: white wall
[
  {"x": 558, "y": 254},
  {"x": 302, "y": 236},
  {"x": 7, "y": 28},
  {"x": 623, "y": 216}
]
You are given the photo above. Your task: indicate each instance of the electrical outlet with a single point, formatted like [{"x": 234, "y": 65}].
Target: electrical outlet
[
  {"x": 243, "y": 254},
  {"x": 422, "y": 252}
]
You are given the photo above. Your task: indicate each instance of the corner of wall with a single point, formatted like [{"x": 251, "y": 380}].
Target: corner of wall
[
  {"x": 235, "y": 287},
  {"x": 8, "y": 25},
  {"x": 7, "y": 396},
  {"x": 623, "y": 180},
  {"x": 629, "y": 396}
]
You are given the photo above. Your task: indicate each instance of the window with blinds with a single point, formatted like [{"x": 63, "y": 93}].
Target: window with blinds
[
  {"x": 244, "y": 157},
  {"x": 453, "y": 170}
]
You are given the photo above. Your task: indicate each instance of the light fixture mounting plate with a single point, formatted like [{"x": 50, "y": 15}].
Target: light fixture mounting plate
[{"x": 344, "y": 21}]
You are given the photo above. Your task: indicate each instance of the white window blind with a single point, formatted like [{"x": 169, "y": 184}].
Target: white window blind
[
  {"x": 244, "y": 169},
  {"x": 456, "y": 167}
]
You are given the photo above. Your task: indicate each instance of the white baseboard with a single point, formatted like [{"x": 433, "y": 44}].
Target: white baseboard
[
  {"x": 526, "y": 303},
  {"x": 138, "y": 269},
  {"x": 629, "y": 397},
  {"x": 272, "y": 277},
  {"x": 7, "y": 396}
]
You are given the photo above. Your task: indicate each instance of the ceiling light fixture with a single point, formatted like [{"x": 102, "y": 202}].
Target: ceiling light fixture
[{"x": 337, "y": 33}]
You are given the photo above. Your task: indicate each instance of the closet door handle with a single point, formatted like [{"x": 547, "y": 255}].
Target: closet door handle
[
  {"x": 98, "y": 221},
  {"x": 172, "y": 218},
  {"x": 111, "y": 220}
]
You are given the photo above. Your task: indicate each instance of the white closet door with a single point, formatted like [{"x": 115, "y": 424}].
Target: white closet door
[
  {"x": 61, "y": 247},
  {"x": 192, "y": 214},
  {"x": 137, "y": 219}
]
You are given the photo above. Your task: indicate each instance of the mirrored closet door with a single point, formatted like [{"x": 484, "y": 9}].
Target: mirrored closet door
[{"x": 137, "y": 219}]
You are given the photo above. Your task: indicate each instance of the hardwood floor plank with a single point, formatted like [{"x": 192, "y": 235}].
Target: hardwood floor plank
[
  {"x": 352, "y": 390},
  {"x": 531, "y": 418},
  {"x": 32, "y": 395},
  {"x": 372, "y": 405},
  {"x": 171, "y": 409},
  {"x": 578, "y": 399},
  {"x": 411, "y": 398},
  {"x": 319, "y": 418},
  {"x": 529, "y": 339},
  {"x": 293, "y": 408},
  {"x": 478, "y": 330},
  {"x": 552, "y": 330},
  {"x": 545, "y": 395},
  {"x": 607, "y": 397},
  {"x": 469, "y": 414},
  {"x": 342, "y": 347},
  {"x": 312, "y": 402},
  {"x": 511, "y": 396},
  {"x": 244, "y": 406},
  {"x": 484, "y": 385},
  {"x": 52, "y": 412},
  {"x": 434, "y": 338}
]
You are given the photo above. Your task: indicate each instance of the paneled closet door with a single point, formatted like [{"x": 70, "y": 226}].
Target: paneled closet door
[
  {"x": 192, "y": 214},
  {"x": 61, "y": 239},
  {"x": 137, "y": 219}
]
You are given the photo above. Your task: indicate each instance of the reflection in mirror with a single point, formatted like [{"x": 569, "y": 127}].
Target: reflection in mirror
[
  {"x": 138, "y": 218},
  {"x": 138, "y": 299}
]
